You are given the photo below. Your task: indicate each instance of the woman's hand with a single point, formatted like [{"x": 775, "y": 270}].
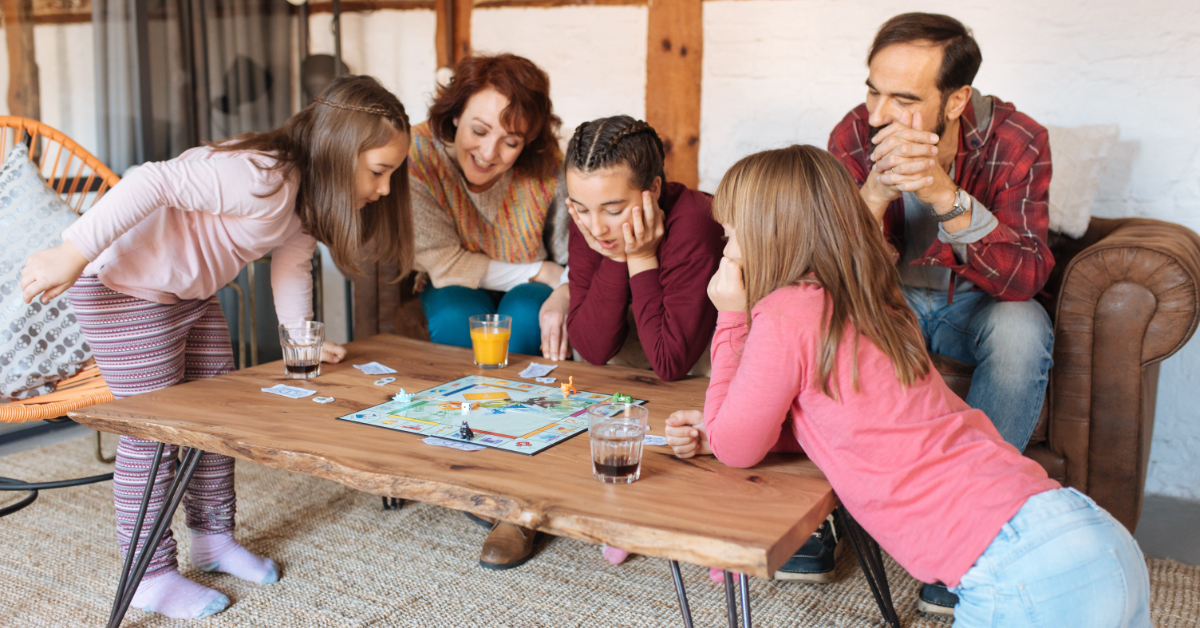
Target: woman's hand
[
  {"x": 685, "y": 434},
  {"x": 615, "y": 254},
  {"x": 50, "y": 272},
  {"x": 726, "y": 289},
  {"x": 332, "y": 352},
  {"x": 643, "y": 233},
  {"x": 550, "y": 274},
  {"x": 553, "y": 320}
]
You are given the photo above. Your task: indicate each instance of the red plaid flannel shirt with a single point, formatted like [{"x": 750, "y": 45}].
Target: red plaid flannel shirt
[{"x": 1005, "y": 166}]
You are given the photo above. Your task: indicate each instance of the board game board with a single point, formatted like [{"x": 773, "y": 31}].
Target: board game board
[{"x": 513, "y": 416}]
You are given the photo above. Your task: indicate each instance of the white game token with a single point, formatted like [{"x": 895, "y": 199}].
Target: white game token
[
  {"x": 322, "y": 399},
  {"x": 384, "y": 381}
]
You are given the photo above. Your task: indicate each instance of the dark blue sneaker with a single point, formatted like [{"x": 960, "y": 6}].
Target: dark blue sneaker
[
  {"x": 815, "y": 560},
  {"x": 937, "y": 599}
]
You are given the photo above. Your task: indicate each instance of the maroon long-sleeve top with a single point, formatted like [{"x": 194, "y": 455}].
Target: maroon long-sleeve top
[{"x": 674, "y": 318}]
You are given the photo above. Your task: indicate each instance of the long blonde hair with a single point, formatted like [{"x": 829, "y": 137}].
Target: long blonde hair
[
  {"x": 322, "y": 144},
  {"x": 799, "y": 217}
]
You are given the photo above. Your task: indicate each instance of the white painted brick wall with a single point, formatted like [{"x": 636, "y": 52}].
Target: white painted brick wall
[
  {"x": 395, "y": 47},
  {"x": 595, "y": 56}
]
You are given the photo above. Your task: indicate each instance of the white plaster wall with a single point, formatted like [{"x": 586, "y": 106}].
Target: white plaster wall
[
  {"x": 783, "y": 71},
  {"x": 595, "y": 55},
  {"x": 67, "y": 75},
  {"x": 394, "y": 46}
]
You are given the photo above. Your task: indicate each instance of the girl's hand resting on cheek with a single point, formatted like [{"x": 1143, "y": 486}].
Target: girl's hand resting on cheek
[
  {"x": 685, "y": 434},
  {"x": 332, "y": 352},
  {"x": 726, "y": 289},
  {"x": 616, "y": 254}
]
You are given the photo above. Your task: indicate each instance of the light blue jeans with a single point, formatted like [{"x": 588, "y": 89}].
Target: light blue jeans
[
  {"x": 1009, "y": 343},
  {"x": 1061, "y": 561}
]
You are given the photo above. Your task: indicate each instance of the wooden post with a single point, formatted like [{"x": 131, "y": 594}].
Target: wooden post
[
  {"x": 453, "y": 37},
  {"x": 674, "y": 53},
  {"x": 24, "y": 95}
]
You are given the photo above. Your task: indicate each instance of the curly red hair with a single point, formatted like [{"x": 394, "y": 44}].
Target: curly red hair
[{"x": 529, "y": 111}]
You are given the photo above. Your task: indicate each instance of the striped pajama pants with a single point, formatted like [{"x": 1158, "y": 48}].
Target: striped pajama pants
[{"x": 142, "y": 346}]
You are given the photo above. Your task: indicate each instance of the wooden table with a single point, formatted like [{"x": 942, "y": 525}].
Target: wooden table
[{"x": 697, "y": 510}]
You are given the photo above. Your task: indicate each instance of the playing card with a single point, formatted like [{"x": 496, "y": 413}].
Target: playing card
[
  {"x": 374, "y": 368},
  {"x": 441, "y": 442},
  {"x": 538, "y": 370},
  {"x": 291, "y": 392}
]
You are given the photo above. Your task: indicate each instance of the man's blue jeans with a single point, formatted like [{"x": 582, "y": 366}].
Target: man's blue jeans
[
  {"x": 1009, "y": 343},
  {"x": 447, "y": 310},
  {"x": 1060, "y": 561}
]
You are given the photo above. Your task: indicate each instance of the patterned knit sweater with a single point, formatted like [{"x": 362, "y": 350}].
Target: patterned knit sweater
[{"x": 520, "y": 219}]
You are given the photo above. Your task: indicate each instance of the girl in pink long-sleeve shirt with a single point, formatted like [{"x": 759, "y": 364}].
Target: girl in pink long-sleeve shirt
[
  {"x": 815, "y": 349},
  {"x": 143, "y": 267}
]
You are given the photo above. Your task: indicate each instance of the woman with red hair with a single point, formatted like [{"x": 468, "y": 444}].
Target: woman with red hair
[{"x": 491, "y": 222}]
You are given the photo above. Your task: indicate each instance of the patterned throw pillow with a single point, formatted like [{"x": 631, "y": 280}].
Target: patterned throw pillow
[{"x": 40, "y": 344}]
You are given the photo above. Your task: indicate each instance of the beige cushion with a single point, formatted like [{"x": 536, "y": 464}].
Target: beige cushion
[{"x": 1079, "y": 156}]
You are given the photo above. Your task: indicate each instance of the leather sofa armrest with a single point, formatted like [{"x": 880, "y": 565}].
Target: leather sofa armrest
[{"x": 1127, "y": 301}]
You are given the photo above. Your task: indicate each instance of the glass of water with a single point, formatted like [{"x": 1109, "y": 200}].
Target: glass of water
[
  {"x": 301, "y": 345},
  {"x": 616, "y": 431}
]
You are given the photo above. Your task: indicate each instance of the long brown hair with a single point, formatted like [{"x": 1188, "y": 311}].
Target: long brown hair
[
  {"x": 529, "y": 112},
  {"x": 322, "y": 144},
  {"x": 610, "y": 142},
  {"x": 798, "y": 217}
]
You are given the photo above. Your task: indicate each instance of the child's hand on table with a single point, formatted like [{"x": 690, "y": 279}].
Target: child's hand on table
[
  {"x": 332, "y": 352},
  {"x": 685, "y": 434}
]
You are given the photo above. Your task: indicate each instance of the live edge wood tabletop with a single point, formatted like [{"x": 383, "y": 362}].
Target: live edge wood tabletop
[{"x": 697, "y": 510}]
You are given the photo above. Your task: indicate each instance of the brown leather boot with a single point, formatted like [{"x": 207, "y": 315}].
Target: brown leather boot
[{"x": 506, "y": 547}]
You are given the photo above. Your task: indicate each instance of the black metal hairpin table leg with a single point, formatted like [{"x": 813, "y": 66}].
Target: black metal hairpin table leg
[
  {"x": 730, "y": 600},
  {"x": 683, "y": 603},
  {"x": 392, "y": 503},
  {"x": 870, "y": 558},
  {"x": 133, "y": 570},
  {"x": 745, "y": 582}
]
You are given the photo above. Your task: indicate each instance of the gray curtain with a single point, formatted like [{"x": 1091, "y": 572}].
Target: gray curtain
[{"x": 172, "y": 74}]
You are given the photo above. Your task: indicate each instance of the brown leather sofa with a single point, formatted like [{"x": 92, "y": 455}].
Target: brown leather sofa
[{"x": 1123, "y": 298}]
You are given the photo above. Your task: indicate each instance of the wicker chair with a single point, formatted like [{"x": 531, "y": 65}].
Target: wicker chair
[{"x": 81, "y": 180}]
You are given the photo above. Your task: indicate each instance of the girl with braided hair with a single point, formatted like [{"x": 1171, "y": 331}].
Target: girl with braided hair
[
  {"x": 144, "y": 264},
  {"x": 642, "y": 250}
]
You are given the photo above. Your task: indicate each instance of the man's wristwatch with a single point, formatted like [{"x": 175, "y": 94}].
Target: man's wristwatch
[{"x": 962, "y": 203}]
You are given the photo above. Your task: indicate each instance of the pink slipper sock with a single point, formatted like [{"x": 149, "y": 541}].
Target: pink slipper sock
[
  {"x": 614, "y": 555},
  {"x": 177, "y": 597},
  {"x": 717, "y": 575},
  {"x": 219, "y": 552}
]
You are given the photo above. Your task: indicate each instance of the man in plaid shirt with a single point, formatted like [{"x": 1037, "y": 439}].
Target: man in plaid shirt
[{"x": 959, "y": 182}]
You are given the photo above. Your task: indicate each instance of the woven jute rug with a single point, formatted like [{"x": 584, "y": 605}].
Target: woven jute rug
[{"x": 347, "y": 562}]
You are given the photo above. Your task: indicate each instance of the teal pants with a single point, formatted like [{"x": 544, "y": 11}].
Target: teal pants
[{"x": 447, "y": 310}]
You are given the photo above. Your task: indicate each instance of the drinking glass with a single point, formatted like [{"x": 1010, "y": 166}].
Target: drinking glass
[
  {"x": 616, "y": 431},
  {"x": 301, "y": 345},
  {"x": 489, "y": 337}
]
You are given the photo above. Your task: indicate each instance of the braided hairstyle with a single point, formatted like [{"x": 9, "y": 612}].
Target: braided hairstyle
[{"x": 620, "y": 140}]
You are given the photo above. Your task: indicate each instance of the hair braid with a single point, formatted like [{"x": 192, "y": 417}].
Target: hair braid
[{"x": 611, "y": 142}]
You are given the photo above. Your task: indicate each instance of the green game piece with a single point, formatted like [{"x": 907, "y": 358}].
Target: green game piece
[{"x": 619, "y": 398}]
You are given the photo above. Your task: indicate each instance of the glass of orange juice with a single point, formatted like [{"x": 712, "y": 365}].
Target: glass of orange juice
[{"x": 489, "y": 336}]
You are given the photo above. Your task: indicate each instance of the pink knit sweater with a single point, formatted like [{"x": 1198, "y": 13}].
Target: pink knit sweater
[{"x": 927, "y": 476}]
